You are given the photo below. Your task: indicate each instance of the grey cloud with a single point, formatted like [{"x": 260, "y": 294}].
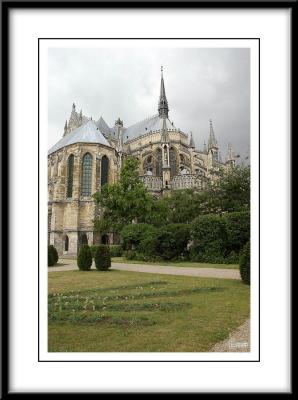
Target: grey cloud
[{"x": 200, "y": 84}]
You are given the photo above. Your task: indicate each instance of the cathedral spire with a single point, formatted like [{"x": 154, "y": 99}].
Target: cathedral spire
[
  {"x": 163, "y": 108},
  {"x": 191, "y": 142},
  {"x": 212, "y": 142}
]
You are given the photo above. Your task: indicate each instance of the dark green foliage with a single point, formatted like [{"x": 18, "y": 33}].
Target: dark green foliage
[
  {"x": 150, "y": 243},
  {"x": 84, "y": 258},
  {"x": 231, "y": 192},
  {"x": 133, "y": 234},
  {"x": 93, "y": 249},
  {"x": 129, "y": 254},
  {"x": 51, "y": 260},
  {"x": 116, "y": 250},
  {"x": 245, "y": 264},
  {"x": 172, "y": 241},
  {"x": 238, "y": 230},
  {"x": 54, "y": 252},
  {"x": 209, "y": 236},
  {"x": 102, "y": 258}
]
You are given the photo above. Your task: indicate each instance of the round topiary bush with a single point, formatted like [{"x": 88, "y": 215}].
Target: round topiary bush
[
  {"x": 245, "y": 263},
  {"x": 54, "y": 252},
  {"x": 84, "y": 258},
  {"x": 51, "y": 260},
  {"x": 102, "y": 258}
]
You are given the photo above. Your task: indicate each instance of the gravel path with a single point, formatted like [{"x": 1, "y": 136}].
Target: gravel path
[
  {"x": 160, "y": 269},
  {"x": 238, "y": 341}
]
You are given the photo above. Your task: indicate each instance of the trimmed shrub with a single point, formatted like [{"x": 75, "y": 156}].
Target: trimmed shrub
[
  {"x": 102, "y": 258},
  {"x": 238, "y": 230},
  {"x": 54, "y": 252},
  {"x": 245, "y": 264},
  {"x": 84, "y": 258},
  {"x": 51, "y": 260},
  {"x": 116, "y": 250},
  {"x": 209, "y": 236}
]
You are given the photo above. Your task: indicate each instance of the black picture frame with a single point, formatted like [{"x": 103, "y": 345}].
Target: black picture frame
[{"x": 6, "y": 8}]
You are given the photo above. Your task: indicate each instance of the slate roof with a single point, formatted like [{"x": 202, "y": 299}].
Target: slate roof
[
  {"x": 153, "y": 123},
  {"x": 87, "y": 133}
]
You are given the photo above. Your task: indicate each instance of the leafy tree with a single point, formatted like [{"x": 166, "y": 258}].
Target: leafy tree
[
  {"x": 124, "y": 202},
  {"x": 230, "y": 192}
]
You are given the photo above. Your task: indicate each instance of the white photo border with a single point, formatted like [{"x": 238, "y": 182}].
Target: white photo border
[{"x": 27, "y": 374}]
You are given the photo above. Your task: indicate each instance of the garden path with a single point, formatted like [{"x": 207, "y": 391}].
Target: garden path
[{"x": 158, "y": 269}]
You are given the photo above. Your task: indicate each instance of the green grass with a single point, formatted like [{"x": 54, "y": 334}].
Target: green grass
[
  {"x": 121, "y": 311},
  {"x": 176, "y": 263}
]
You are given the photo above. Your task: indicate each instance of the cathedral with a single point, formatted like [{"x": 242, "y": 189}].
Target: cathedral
[{"x": 90, "y": 154}]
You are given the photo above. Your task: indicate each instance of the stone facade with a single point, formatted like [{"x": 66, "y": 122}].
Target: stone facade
[{"x": 90, "y": 154}]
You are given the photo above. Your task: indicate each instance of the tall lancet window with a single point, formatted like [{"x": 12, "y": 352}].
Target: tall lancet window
[
  {"x": 70, "y": 163},
  {"x": 158, "y": 165},
  {"x": 104, "y": 170},
  {"x": 86, "y": 175},
  {"x": 173, "y": 162}
]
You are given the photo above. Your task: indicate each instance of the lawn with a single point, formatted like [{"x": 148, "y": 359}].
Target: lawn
[
  {"x": 189, "y": 264},
  {"x": 121, "y": 311}
]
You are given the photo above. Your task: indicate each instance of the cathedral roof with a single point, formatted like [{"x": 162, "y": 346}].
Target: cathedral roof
[
  {"x": 88, "y": 133},
  {"x": 149, "y": 124}
]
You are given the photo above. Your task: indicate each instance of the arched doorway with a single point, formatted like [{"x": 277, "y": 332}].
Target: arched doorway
[
  {"x": 84, "y": 239},
  {"x": 104, "y": 239}
]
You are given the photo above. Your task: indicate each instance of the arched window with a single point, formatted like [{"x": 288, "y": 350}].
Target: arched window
[
  {"x": 66, "y": 243},
  {"x": 70, "y": 163},
  {"x": 173, "y": 162},
  {"x": 104, "y": 170},
  {"x": 158, "y": 165},
  {"x": 148, "y": 165},
  {"x": 86, "y": 175}
]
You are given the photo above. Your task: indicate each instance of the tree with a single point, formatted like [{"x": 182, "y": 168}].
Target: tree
[
  {"x": 231, "y": 191},
  {"x": 124, "y": 202}
]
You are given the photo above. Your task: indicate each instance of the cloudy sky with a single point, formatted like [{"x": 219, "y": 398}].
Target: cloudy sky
[{"x": 125, "y": 82}]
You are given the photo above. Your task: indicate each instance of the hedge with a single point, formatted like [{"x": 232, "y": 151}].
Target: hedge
[
  {"x": 116, "y": 250},
  {"x": 245, "y": 264},
  {"x": 238, "y": 230},
  {"x": 133, "y": 234},
  {"x": 84, "y": 258},
  {"x": 209, "y": 235}
]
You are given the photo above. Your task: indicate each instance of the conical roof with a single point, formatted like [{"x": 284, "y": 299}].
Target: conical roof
[{"x": 88, "y": 133}]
